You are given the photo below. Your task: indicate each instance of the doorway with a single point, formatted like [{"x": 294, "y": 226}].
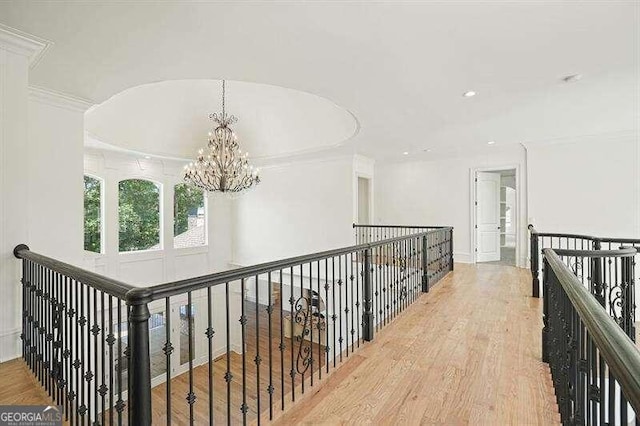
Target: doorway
[
  {"x": 364, "y": 201},
  {"x": 496, "y": 216}
]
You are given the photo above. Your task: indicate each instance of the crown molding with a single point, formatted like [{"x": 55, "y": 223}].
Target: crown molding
[
  {"x": 595, "y": 137},
  {"x": 24, "y": 44},
  {"x": 59, "y": 99}
]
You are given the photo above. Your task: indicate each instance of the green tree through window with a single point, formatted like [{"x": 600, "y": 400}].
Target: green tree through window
[
  {"x": 138, "y": 215},
  {"x": 92, "y": 216},
  {"x": 188, "y": 213}
]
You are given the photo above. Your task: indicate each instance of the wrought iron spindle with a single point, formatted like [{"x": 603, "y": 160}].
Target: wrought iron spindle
[
  {"x": 270, "y": 388},
  {"x": 209, "y": 333},
  {"x": 282, "y": 346},
  {"x": 257, "y": 360},
  {"x": 292, "y": 372},
  {"x": 167, "y": 349},
  {"x": 243, "y": 322},
  {"x": 228, "y": 376}
]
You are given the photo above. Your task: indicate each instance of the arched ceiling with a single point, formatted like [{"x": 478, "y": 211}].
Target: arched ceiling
[
  {"x": 170, "y": 119},
  {"x": 399, "y": 67}
]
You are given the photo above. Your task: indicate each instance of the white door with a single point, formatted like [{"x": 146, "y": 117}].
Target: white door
[{"x": 488, "y": 217}]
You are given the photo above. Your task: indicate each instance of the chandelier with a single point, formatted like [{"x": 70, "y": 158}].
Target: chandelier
[{"x": 221, "y": 166}]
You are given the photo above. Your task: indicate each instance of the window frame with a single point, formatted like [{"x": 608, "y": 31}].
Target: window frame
[
  {"x": 206, "y": 221},
  {"x": 161, "y": 232}
]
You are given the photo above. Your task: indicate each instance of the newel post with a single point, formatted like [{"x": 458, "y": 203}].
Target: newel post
[
  {"x": 139, "y": 360},
  {"x": 535, "y": 264},
  {"x": 425, "y": 265},
  {"x": 367, "y": 314}
]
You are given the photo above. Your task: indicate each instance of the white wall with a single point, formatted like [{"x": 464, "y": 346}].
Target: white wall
[
  {"x": 298, "y": 208},
  {"x": 587, "y": 185},
  {"x": 56, "y": 149},
  {"x": 439, "y": 192}
]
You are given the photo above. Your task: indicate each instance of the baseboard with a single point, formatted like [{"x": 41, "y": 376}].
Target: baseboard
[{"x": 460, "y": 257}]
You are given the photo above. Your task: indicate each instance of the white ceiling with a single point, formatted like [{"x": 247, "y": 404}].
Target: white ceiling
[
  {"x": 170, "y": 119},
  {"x": 400, "y": 68}
]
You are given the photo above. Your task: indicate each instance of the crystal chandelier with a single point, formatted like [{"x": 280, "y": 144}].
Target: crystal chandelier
[{"x": 221, "y": 166}]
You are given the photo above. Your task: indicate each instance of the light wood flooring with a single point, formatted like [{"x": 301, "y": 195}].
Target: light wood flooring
[{"x": 466, "y": 353}]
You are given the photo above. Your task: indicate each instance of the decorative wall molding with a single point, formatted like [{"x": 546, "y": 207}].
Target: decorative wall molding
[
  {"x": 24, "y": 44},
  {"x": 58, "y": 99}
]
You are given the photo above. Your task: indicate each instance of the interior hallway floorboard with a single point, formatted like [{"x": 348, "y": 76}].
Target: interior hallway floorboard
[{"x": 466, "y": 353}]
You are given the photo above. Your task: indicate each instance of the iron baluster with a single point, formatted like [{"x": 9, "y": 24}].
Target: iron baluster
[
  {"x": 243, "y": 321},
  {"x": 257, "y": 360},
  {"x": 209, "y": 334},
  {"x": 270, "y": 388},
  {"x": 167, "y": 349},
  {"x": 367, "y": 318}
]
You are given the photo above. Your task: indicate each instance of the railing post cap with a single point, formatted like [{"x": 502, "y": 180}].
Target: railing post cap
[
  {"x": 139, "y": 296},
  {"x": 18, "y": 249}
]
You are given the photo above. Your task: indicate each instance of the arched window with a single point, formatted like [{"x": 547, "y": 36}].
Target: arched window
[
  {"x": 92, "y": 214},
  {"x": 138, "y": 215},
  {"x": 189, "y": 225}
]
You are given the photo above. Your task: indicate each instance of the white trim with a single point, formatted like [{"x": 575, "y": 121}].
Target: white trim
[
  {"x": 24, "y": 44},
  {"x": 462, "y": 257},
  {"x": 519, "y": 206},
  {"x": 59, "y": 99}
]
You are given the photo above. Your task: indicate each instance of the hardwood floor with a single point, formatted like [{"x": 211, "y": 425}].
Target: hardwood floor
[
  {"x": 19, "y": 387},
  {"x": 466, "y": 353}
]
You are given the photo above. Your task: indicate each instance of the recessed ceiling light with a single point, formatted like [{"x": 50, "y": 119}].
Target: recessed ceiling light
[
  {"x": 469, "y": 94},
  {"x": 491, "y": 142},
  {"x": 148, "y": 157},
  {"x": 405, "y": 153},
  {"x": 572, "y": 78}
]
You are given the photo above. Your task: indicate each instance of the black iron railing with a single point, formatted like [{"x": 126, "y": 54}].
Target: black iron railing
[
  {"x": 73, "y": 339},
  {"x": 230, "y": 347},
  {"x": 595, "y": 366},
  {"x": 439, "y": 244},
  {"x": 542, "y": 240}
]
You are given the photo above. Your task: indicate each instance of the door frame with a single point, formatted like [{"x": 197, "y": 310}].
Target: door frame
[
  {"x": 356, "y": 203},
  {"x": 473, "y": 172}
]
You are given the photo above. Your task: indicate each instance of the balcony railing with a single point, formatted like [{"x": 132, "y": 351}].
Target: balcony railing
[
  {"x": 595, "y": 366},
  {"x": 230, "y": 347},
  {"x": 588, "y": 270}
]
